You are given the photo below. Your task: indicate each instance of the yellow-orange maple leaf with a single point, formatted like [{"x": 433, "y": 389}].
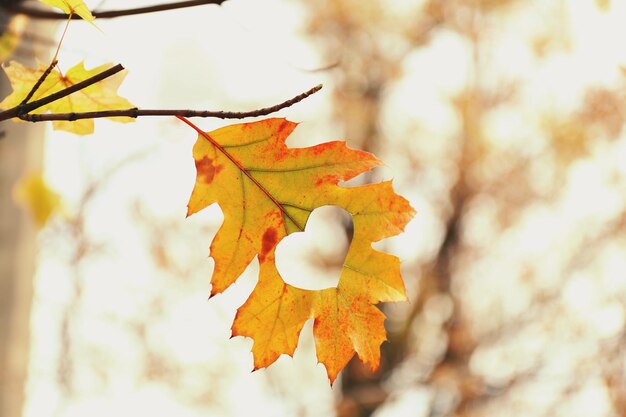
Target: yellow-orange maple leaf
[
  {"x": 267, "y": 191},
  {"x": 72, "y": 6},
  {"x": 99, "y": 96}
]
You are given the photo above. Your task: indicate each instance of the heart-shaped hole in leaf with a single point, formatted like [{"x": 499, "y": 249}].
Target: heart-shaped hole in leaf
[{"x": 313, "y": 259}]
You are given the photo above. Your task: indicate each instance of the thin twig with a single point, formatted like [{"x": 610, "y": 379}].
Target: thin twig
[
  {"x": 48, "y": 70},
  {"x": 107, "y": 14},
  {"x": 23, "y": 109},
  {"x": 40, "y": 81},
  {"x": 135, "y": 112}
]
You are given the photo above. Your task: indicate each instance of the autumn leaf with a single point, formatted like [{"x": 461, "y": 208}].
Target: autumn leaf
[
  {"x": 266, "y": 192},
  {"x": 33, "y": 193},
  {"x": 72, "y": 6},
  {"x": 8, "y": 43},
  {"x": 11, "y": 36},
  {"x": 99, "y": 96},
  {"x": 603, "y": 5}
]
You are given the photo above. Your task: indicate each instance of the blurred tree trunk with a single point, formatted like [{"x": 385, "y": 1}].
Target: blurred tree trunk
[{"x": 21, "y": 150}]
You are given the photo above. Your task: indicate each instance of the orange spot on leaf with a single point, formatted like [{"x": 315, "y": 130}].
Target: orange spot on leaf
[
  {"x": 270, "y": 237},
  {"x": 206, "y": 169},
  {"x": 326, "y": 179},
  {"x": 322, "y": 147},
  {"x": 281, "y": 128},
  {"x": 281, "y": 153}
]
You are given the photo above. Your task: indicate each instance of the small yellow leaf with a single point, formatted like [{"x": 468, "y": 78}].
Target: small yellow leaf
[
  {"x": 72, "y": 6},
  {"x": 11, "y": 36},
  {"x": 33, "y": 193},
  {"x": 603, "y": 5},
  {"x": 97, "y": 97},
  {"x": 8, "y": 43}
]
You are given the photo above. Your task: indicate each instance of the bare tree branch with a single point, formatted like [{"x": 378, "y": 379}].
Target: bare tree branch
[
  {"x": 135, "y": 112},
  {"x": 107, "y": 14}
]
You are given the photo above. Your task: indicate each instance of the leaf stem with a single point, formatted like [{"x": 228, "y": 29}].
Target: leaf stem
[
  {"x": 69, "y": 19},
  {"x": 135, "y": 112},
  {"x": 107, "y": 14}
]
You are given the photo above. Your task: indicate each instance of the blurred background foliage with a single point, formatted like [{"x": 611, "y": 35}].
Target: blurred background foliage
[{"x": 502, "y": 123}]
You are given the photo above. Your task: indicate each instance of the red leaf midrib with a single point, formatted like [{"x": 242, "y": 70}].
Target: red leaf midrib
[{"x": 243, "y": 170}]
